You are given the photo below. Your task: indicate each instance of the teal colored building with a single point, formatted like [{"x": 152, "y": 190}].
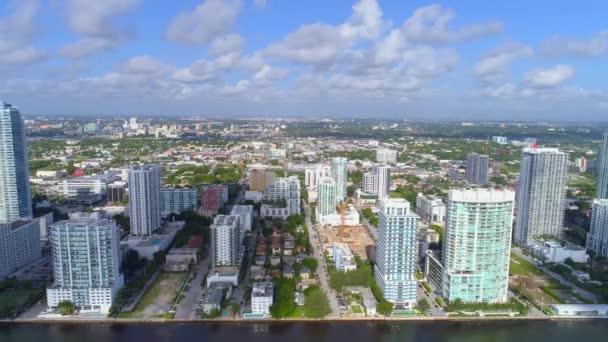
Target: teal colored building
[{"x": 477, "y": 245}]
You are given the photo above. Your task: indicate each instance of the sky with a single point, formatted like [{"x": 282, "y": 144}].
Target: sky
[{"x": 465, "y": 59}]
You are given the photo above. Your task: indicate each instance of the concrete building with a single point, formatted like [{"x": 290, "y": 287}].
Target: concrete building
[
  {"x": 262, "y": 298},
  {"x": 597, "y": 239},
  {"x": 370, "y": 183},
  {"x": 176, "y": 200},
  {"x": 477, "y": 246},
  {"x": 116, "y": 192},
  {"x": 85, "y": 187},
  {"x": 430, "y": 208},
  {"x": 225, "y": 240},
  {"x": 144, "y": 199},
  {"x": 500, "y": 140},
  {"x": 351, "y": 217},
  {"x": 383, "y": 174},
  {"x": 385, "y": 155},
  {"x": 477, "y": 168},
  {"x": 19, "y": 245},
  {"x": 213, "y": 197},
  {"x": 180, "y": 259},
  {"x": 85, "y": 256},
  {"x": 15, "y": 195},
  {"x": 396, "y": 252},
  {"x": 44, "y": 222},
  {"x": 259, "y": 180},
  {"x": 314, "y": 175},
  {"x": 286, "y": 192},
  {"x": 245, "y": 214},
  {"x": 602, "y": 169},
  {"x": 338, "y": 174},
  {"x": 541, "y": 194},
  {"x": 553, "y": 251},
  {"x": 343, "y": 257}
]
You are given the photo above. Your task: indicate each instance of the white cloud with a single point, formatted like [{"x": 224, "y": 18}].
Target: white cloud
[
  {"x": 95, "y": 22},
  {"x": 17, "y": 31},
  {"x": 208, "y": 20},
  {"x": 431, "y": 24},
  {"x": 548, "y": 78},
  {"x": 493, "y": 67},
  {"x": 225, "y": 44},
  {"x": 596, "y": 46}
]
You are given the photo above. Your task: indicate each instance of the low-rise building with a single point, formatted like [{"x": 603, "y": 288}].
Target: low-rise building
[
  {"x": 430, "y": 208},
  {"x": 262, "y": 297},
  {"x": 181, "y": 259},
  {"x": 343, "y": 257},
  {"x": 554, "y": 251},
  {"x": 580, "y": 310}
]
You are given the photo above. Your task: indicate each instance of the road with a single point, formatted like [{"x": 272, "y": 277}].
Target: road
[
  {"x": 322, "y": 272},
  {"x": 187, "y": 308}
]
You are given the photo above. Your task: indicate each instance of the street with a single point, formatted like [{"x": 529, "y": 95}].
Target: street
[
  {"x": 322, "y": 272},
  {"x": 187, "y": 308}
]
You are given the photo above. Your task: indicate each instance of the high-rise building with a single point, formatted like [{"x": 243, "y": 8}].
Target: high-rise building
[
  {"x": 213, "y": 197},
  {"x": 259, "y": 180},
  {"x": 477, "y": 168},
  {"x": 85, "y": 254},
  {"x": 15, "y": 196},
  {"x": 541, "y": 194},
  {"x": 385, "y": 155},
  {"x": 285, "y": 189},
  {"x": 176, "y": 200},
  {"x": 597, "y": 239},
  {"x": 383, "y": 174},
  {"x": 225, "y": 240},
  {"x": 326, "y": 201},
  {"x": 477, "y": 245},
  {"x": 430, "y": 208},
  {"x": 602, "y": 169},
  {"x": 144, "y": 199},
  {"x": 19, "y": 245},
  {"x": 313, "y": 175},
  {"x": 397, "y": 252},
  {"x": 370, "y": 183},
  {"x": 338, "y": 173}
]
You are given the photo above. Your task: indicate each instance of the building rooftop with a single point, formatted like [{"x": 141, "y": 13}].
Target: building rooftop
[{"x": 263, "y": 289}]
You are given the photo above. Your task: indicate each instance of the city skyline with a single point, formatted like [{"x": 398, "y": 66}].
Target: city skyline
[{"x": 351, "y": 59}]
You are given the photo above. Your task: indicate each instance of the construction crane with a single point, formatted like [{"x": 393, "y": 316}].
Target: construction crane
[{"x": 343, "y": 206}]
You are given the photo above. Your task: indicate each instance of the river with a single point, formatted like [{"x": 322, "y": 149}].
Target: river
[{"x": 519, "y": 331}]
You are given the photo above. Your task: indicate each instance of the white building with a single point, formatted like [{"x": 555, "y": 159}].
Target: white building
[
  {"x": 383, "y": 174},
  {"x": 597, "y": 239},
  {"x": 351, "y": 217},
  {"x": 343, "y": 257},
  {"x": 602, "y": 169},
  {"x": 500, "y": 140},
  {"x": 19, "y": 245},
  {"x": 313, "y": 175},
  {"x": 95, "y": 185},
  {"x": 284, "y": 193},
  {"x": 86, "y": 262},
  {"x": 370, "y": 183},
  {"x": 553, "y": 251},
  {"x": 144, "y": 199},
  {"x": 541, "y": 194},
  {"x": 338, "y": 174},
  {"x": 430, "y": 208},
  {"x": 580, "y": 310},
  {"x": 326, "y": 201},
  {"x": 245, "y": 214},
  {"x": 176, "y": 200},
  {"x": 385, "y": 155},
  {"x": 396, "y": 252},
  {"x": 225, "y": 240},
  {"x": 262, "y": 298}
]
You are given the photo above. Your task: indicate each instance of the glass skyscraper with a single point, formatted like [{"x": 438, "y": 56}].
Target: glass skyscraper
[
  {"x": 326, "y": 201},
  {"x": 597, "y": 239},
  {"x": 144, "y": 199},
  {"x": 602, "y": 169},
  {"x": 15, "y": 196},
  {"x": 397, "y": 252},
  {"x": 338, "y": 173},
  {"x": 477, "y": 245},
  {"x": 477, "y": 168}
]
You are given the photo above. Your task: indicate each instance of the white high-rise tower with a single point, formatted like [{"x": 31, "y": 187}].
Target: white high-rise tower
[{"x": 144, "y": 199}]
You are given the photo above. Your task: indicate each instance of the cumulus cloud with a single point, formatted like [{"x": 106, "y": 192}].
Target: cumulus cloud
[
  {"x": 207, "y": 21},
  {"x": 548, "y": 78},
  {"x": 493, "y": 67},
  {"x": 17, "y": 32},
  {"x": 431, "y": 24},
  {"x": 593, "y": 47},
  {"x": 225, "y": 44},
  {"x": 95, "y": 22}
]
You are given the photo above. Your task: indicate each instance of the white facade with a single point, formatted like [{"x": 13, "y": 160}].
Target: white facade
[
  {"x": 85, "y": 256},
  {"x": 326, "y": 201},
  {"x": 370, "y": 183},
  {"x": 19, "y": 245},
  {"x": 15, "y": 196},
  {"x": 351, "y": 217},
  {"x": 383, "y": 174},
  {"x": 262, "y": 298},
  {"x": 313, "y": 175},
  {"x": 602, "y": 169},
  {"x": 597, "y": 239},
  {"x": 245, "y": 214},
  {"x": 397, "y": 252},
  {"x": 541, "y": 194},
  {"x": 430, "y": 208},
  {"x": 553, "y": 251},
  {"x": 385, "y": 155},
  {"x": 285, "y": 189},
  {"x": 343, "y": 257},
  {"x": 144, "y": 199},
  {"x": 225, "y": 240},
  {"x": 44, "y": 222},
  {"x": 500, "y": 140}
]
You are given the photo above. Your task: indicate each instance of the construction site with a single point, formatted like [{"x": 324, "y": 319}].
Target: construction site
[{"x": 357, "y": 238}]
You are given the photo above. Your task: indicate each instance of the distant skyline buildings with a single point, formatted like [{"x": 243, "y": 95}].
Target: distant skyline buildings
[
  {"x": 602, "y": 169},
  {"x": 144, "y": 199},
  {"x": 541, "y": 194},
  {"x": 15, "y": 195},
  {"x": 477, "y": 168},
  {"x": 386, "y": 155}
]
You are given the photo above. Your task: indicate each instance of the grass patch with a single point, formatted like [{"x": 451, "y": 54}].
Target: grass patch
[
  {"x": 356, "y": 309},
  {"x": 163, "y": 291},
  {"x": 520, "y": 266},
  {"x": 427, "y": 287}
]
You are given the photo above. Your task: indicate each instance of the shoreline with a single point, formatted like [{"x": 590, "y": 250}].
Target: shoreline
[{"x": 294, "y": 320}]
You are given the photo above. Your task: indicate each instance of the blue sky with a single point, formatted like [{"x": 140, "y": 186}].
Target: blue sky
[{"x": 367, "y": 58}]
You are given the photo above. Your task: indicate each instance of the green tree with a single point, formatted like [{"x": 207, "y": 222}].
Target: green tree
[
  {"x": 311, "y": 263},
  {"x": 385, "y": 308},
  {"x": 66, "y": 308},
  {"x": 316, "y": 304},
  {"x": 285, "y": 298}
]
